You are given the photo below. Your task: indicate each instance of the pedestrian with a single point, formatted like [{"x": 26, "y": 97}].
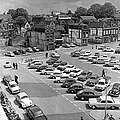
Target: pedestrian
[
  {"x": 16, "y": 66},
  {"x": 46, "y": 54},
  {"x": 103, "y": 73},
  {"x": 96, "y": 46},
  {"x": 92, "y": 47},
  {"x": 16, "y": 79},
  {"x": 82, "y": 118},
  {"x": 13, "y": 65}
]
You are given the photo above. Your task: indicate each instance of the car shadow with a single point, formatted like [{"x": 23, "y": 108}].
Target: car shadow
[
  {"x": 16, "y": 103},
  {"x": 8, "y": 91}
]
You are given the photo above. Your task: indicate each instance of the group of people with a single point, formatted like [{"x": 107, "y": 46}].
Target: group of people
[
  {"x": 15, "y": 66},
  {"x": 95, "y": 47}
]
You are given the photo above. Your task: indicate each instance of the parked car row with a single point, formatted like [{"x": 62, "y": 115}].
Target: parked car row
[
  {"x": 21, "y": 51},
  {"x": 22, "y": 98}
]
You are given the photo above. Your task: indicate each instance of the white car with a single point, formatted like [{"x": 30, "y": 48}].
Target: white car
[
  {"x": 100, "y": 102},
  {"x": 75, "y": 72},
  {"x": 8, "y": 64},
  {"x": 54, "y": 55},
  {"x": 63, "y": 67},
  {"x": 56, "y": 73},
  {"x": 10, "y": 54},
  {"x": 101, "y": 85},
  {"x": 65, "y": 75},
  {"x": 88, "y": 53},
  {"x": 13, "y": 87},
  {"x": 108, "y": 49},
  {"x": 23, "y": 99},
  {"x": 47, "y": 71}
]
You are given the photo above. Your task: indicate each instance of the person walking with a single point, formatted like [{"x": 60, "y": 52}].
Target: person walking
[
  {"x": 96, "y": 46},
  {"x": 16, "y": 79},
  {"x": 16, "y": 66},
  {"x": 103, "y": 73},
  {"x": 13, "y": 65},
  {"x": 82, "y": 118},
  {"x": 46, "y": 54}
]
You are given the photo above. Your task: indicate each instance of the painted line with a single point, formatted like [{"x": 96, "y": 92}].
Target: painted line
[{"x": 57, "y": 91}]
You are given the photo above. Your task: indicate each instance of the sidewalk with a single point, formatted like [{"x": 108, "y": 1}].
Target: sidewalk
[
  {"x": 2, "y": 114},
  {"x": 99, "y": 114}
]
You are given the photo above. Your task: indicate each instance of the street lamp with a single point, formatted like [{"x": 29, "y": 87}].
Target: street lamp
[{"x": 105, "y": 117}]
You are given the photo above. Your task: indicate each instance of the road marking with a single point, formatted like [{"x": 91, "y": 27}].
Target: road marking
[{"x": 57, "y": 91}]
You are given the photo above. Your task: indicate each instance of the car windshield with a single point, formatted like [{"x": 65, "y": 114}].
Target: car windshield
[
  {"x": 23, "y": 97},
  {"x": 14, "y": 85},
  {"x": 7, "y": 62},
  {"x": 38, "y": 114},
  {"x": 93, "y": 77},
  {"x": 83, "y": 73},
  {"x": 101, "y": 83}
]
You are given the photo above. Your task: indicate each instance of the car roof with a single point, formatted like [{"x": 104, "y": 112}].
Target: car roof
[
  {"x": 77, "y": 84},
  {"x": 103, "y": 97},
  {"x": 35, "y": 109},
  {"x": 12, "y": 82},
  {"x": 21, "y": 94},
  {"x": 87, "y": 90}
]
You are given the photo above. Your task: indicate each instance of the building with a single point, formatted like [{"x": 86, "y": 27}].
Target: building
[{"x": 79, "y": 33}]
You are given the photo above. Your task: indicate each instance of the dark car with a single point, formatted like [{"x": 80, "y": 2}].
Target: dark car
[
  {"x": 66, "y": 45},
  {"x": 84, "y": 76},
  {"x": 7, "y": 78},
  {"x": 22, "y": 51},
  {"x": 68, "y": 82},
  {"x": 97, "y": 54},
  {"x": 93, "y": 80},
  {"x": 75, "y": 88},
  {"x": 35, "y": 113},
  {"x": 87, "y": 93},
  {"x": 16, "y": 52},
  {"x": 117, "y": 51},
  {"x": 57, "y": 63},
  {"x": 41, "y": 68},
  {"x": 51, "y": 61},
  {"x": 115, "y": 91}
]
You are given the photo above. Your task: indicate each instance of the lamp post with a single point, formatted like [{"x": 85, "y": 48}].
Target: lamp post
[{"x": 105, "y": 117}]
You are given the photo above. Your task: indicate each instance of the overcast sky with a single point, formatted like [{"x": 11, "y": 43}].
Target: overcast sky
[{"x": 45, "y": 6}]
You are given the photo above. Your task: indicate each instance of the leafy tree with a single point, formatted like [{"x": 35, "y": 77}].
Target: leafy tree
[
  {"x": 12, "y": 12},
  {"x": 20, "y": 22},
  {"x": 94, "y": 10},
  {"x": 21, "y": 12},
  {"x": 80, "y": 11},
  {"x": 69, "y": 13},
  {"x": 108, "y": 10}
]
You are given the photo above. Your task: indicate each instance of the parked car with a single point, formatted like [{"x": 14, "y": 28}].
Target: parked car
[
  {"x": 116, "y": 67},
  {"x": 57, "y": 63},
  {"x": 72, "y": 45},
  {"x": 51, "y": 61},
  {"x": 86, "y": 94},
  {"x": 22, "y": 51},
  {"x": 10, "y": 54},
  {"x": 93, "y": 80},
  {"x": 91, "y": 58},
  {"x": 97, "y": 54},
  {"x": 35, "y": 61},
  {"x": 7, "y": 78},
  {"x": 65, "y": 74},
  {"x": 54, "y": 55},
  {"x": 102, "y": 47},
  {"x": 42, "y": 67},
  {"x": 35, "y": 49},
  {"x": 13, "y": 87},
  {"x": 56, "y": 73},
  {"x": 62, "y": 66},
  {"x": 117, "y": 51},
  {"x": 23, "y": 99},
  {"x": 84, "y": 56},
  {"x": 35, "y": 113},
  {"x": 36, "y": 65},
  {"x": 75, "y": 53},
  {"x": 47, "y": 71},
  {"x": 58, "y": 80},
  {"x": 103, "y": 83},
  {"x": 101, "y": 101},
  {"x": 75, "y": 72},
  {"x": 84, "y": 75},
  {"x": 108, "y": 49},
  {"x": 111, "y": 63},
  {"x": 66, "y": 45},
  {"x": 68, "y": 82},
  {"x": 16, "y": 52},
  {"x": 8, "y": 64},
  {"x": 29, "y": 49},
  {"x": 74, "y": 88},
  {"x": 115, "y": 91}
]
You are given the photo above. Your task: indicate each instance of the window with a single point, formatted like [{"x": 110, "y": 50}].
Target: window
[{"x": 103, "y": 101}]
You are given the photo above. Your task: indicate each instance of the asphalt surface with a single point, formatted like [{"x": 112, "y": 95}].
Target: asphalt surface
[{"x": 50, "y": 97}]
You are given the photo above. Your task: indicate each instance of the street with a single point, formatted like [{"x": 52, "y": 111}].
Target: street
[{"x": 49, "y": 96}]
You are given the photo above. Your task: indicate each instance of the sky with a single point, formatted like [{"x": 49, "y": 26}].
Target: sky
[{"x": 46, "y": 6}]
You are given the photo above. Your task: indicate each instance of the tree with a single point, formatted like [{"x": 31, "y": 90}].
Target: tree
[
  {"x": 94, "y": 10},
  {"x": 80, "y": 11},
  {"x": 21, "y": 12},
  {"x": 69, "y": 13},
  {"x": 108, "y": 10},
  {"x": 20, "y": 22},
  {"x": 12, "y": 12}
]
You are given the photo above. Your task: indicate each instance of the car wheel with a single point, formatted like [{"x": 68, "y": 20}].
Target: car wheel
[
  {"x": 58, "y": 81},
  {"x": 93, "y": 107},
  {"x": 113, "y": 107},
  {"x": 82, "y": 98},
  {"x": 45, "y": 73}
]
